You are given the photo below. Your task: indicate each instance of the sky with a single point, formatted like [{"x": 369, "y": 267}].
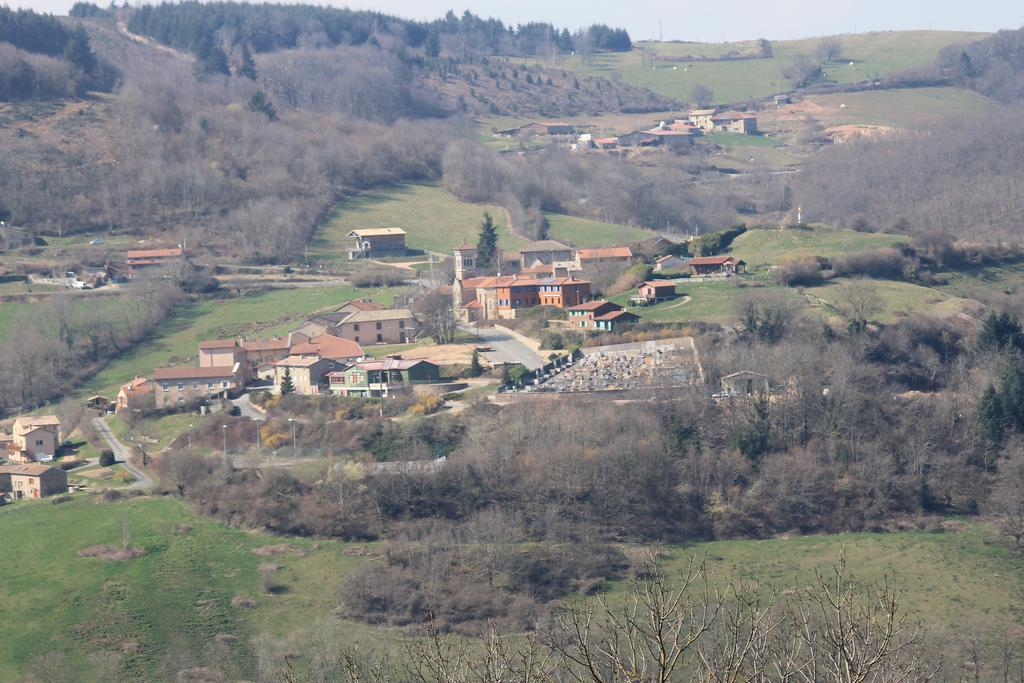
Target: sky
[{"x": 733, "y": 20}]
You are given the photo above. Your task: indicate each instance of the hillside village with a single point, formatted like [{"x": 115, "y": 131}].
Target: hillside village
[{"x": 343, "y": 346}]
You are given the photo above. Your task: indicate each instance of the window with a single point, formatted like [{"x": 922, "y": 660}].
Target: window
[
  {"x": 39, "y": 442},
  {"x": 166, "y": 387},
  {"x": 355, "y": 378},
  {"x": 181, "y": 386},
  {"x": 357, "y": 339},
  {"x": 209, "y": 385},
  {"x": 224, "y": 384},
  {"x": 380, "y": 338},
  {"x": 378, "y": 327},
  {"x": 339, "y": 379},
  {"x": 401, "y": 324}
]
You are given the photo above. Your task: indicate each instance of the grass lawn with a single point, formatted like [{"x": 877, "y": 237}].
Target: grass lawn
[
  {"x": 874, "y": 54},
  {"x": 176, "y": 340},
  {"x": 768, "y": 247},
  {"x": 899, "y": 299},
  {"x": 711, "y": 301},
  {"x": 433, "y": 218},
  {"x": 581, "y": 232},
  {"x": 103, "y": 477},
  {"x": 912, "y": 108},
  {"x": 177, "y": 597},
  {"x": 161, "y": 428}
]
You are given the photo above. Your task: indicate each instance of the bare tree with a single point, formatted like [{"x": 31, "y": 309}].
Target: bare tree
[
  {"x": 702, "y": 95},
  {"x": 828, "y": 49},
  {"x": 434, "y": 311},
  {"x": 861, "y": 300}
]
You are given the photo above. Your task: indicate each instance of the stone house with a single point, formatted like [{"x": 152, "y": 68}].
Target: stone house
[
  {"x": 378, "y": 378},
  {"x": 745, "y": 383},
  {"x": 307, "y": 373},
  {"x": 32, "y": 480},
  {"x": 377, "y": 243},
  {"x": 187, "y": 386}
]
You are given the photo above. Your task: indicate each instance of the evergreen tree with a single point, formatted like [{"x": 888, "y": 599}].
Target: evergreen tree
[
  {"x": 475, "y": 368},
  {"x": 78, "y": 53},
  {"x": 248, "y": 67},
  {"x": 433, "y": 45},
  {"x": 999, "y": 332},
  {"x": 992, "y": 416},
  {"x": 487, "y": 244},
  {"x": 213, "y": 60},
  {"x": 287, "y": 386},
  {"x": 261, "y": 104}
]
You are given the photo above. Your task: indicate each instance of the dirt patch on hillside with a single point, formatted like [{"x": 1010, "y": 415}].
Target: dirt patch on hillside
[
  {"x": 443, "y": 354},
  {"x": 850, "y": 132},
  {"x": 110, "y": 553},
  {"x": 279, "y": 549}
]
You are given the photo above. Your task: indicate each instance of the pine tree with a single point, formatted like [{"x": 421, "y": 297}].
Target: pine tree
[
  {"x": 78, "y": 53},
  {"x": 287, "y": 386},
  {"x": 433, "y": 45},
  {"x": 475, "y": 368},
  {"x": 261, "y": 104},
  {"x": 248, "y": 67},
  {"x": 992, "y": 416},
  {"x": 487, "y": 245},
  {"x": 214, "y": 61}
]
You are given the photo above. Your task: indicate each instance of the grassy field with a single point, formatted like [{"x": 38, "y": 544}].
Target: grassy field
[
  {"x": 873, "y": 55},
  {"x": 898, "y": 299},
  {"x": 266, "y": 313},
  {"x": 712, "y": 301},
  {"x": 177, "y": 597},
  {"x": 434, "y": 220},
  {"x": 581, "y": 232},
  {"x": 911, "y": 108},
  {"x": 768, "y": 247}
]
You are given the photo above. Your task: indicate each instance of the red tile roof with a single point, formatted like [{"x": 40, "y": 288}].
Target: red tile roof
[
  {"x": 154, "y": 253},
  {"x": 605, "y": 252},
  {"x": 711, "y": 260},
  {"x": 30, "y": 469},
  {"x": 330, "y": 347},
  {"x": 218, "y": 344},
  {"x": 475, "y": 303},
  {"x": 594, "y": 305},
  {"x": 363, "y": 305},
  {"x": 192, "y": 373},
  {"x": 298, "y": 361},
  {"x": 279, "y": 344}
]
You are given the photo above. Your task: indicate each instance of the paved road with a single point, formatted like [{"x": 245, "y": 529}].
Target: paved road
[
  {"x": 121, "y": 452},
  {"x": 507, "y": 349},
  {"x": 247, "y": 409}
]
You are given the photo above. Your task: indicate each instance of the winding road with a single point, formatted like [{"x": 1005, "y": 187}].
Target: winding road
[{"x": 122, "y": 453}]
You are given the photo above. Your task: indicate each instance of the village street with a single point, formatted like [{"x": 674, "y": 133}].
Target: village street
[
  {"x": 122, "y": 453},
  {"x": 507, "y": 349}
]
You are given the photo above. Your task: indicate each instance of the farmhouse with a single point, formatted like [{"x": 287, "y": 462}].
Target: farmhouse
[
  {"x": 32, "y": 480},
  {"x": 34, "y": 437},
  {"x": 638, "y": 138},
  {"x": 141, "y": 259},
  {"x": 186, "y": 386},
  {"x": 547, "y": 128},
  {"x": 13, "y": 237},
  {"x": 735, "y": 122},
  {"x": 668, "y": 263},
  {"x": 602, "y": 255},
  {"x": 745, "y": 383},
  {"x": 135, "y": 395},
  {"x": 702, "y": 119},
  {"x": 259, "y": 352},
  {"x": 605, "y": 316},
  {"x": 377, "y": 243},
  {"x": 716, "y": 265},
  {"x": 547, "y": 252},
  {"x": 385, "y": 326},
  {"x": 654, "y": 292},
  {"x": 329, "y": 347},
  {"x": 307, "y": 373},
  {"x": 378, "y": 378},
  {"x": 606, "y": 143},
  {"x": 672, "y": 139},
  {"x": 221, "y": 353}
]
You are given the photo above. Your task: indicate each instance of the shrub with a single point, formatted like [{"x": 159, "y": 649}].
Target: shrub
[
  {"x": 107, "y": 458},
  {"x": 427, "y": 404},
  {"x": 803, "y": 271},
  {"x": 876, "y": 263},
  {"x": 378, "y": 277},
  {"x": 714, "y": 243}
]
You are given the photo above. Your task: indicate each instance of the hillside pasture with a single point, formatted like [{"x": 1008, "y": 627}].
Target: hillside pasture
[
  {"x": 873, "y": 55},
  {"x": 194, "y": 597},
  {"x": 770, "y": 246},
  {"x": 582, "y": 232},
  {"x": 432, "y": 217}
]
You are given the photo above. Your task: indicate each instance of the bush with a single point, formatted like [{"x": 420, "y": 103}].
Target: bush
[
  {"x": 107, "y": 458},
  {"x": 427, "y": 404},
  {"x": 803, "y": 271},
  {"x": 379, "y": 277},
  {"x": 714, "y": 243},
  {"x": 876, "y": 263}
]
